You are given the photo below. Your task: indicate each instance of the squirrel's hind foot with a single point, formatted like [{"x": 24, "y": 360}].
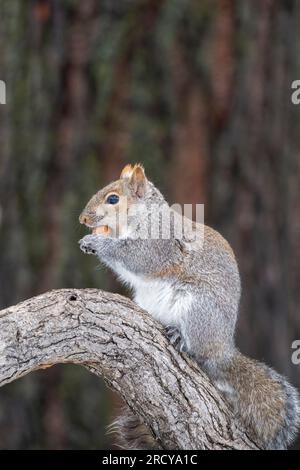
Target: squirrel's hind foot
[{"x": 174, "y": 336}]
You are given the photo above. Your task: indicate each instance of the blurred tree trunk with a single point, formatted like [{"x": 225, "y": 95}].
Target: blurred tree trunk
[
  {"x": 249, "y": 159},
  {"x": 255, "y": 168},
  {"x": 46, "y": 56}
]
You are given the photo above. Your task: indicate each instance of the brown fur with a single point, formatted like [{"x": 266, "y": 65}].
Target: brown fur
[
  {"x": 255, "y": 386},
  {"x": 131, "y": 433}
]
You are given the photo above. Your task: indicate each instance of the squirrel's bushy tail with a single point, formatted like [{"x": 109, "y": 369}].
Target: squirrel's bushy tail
[
  {"x": 131, "y": 433},
  {"x": 266, "y": 404}
]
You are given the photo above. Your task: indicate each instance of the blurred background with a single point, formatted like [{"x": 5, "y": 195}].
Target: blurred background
[{"x": 199, "y": 91}]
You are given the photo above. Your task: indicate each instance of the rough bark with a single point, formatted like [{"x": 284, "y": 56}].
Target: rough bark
[{"x": 113, "y": 338}]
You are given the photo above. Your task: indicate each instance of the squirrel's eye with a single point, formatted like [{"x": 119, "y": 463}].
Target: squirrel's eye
[{"x": 113, "y": 199}]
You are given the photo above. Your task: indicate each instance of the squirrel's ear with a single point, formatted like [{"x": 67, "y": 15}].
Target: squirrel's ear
[
  {"x": 126, "y": 172},
  {"x": 138, "y": 180}
]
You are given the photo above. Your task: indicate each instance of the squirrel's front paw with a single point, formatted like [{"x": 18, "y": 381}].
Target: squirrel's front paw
[
  {"x": 87, "y": 244},
  {"x": 174, "y": 336}
]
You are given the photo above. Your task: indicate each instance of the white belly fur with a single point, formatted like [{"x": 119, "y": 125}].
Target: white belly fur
[{"x": 157, "y": 297}]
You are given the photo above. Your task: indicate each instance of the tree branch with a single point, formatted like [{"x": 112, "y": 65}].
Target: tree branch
[{"x": 114, "y": 339}]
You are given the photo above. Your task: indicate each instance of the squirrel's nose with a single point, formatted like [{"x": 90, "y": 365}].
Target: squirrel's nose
[{"x": 84, "y": 219}]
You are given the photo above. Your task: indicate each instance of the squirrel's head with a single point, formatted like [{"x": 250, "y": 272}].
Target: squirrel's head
[{"x": 122, "y": 205}]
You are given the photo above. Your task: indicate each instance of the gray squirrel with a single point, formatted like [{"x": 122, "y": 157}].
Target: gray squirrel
[{"x": 194, "y": 290}]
